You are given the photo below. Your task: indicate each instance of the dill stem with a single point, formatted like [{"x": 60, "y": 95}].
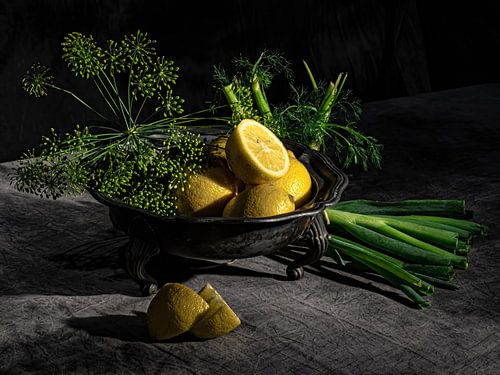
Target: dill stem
[
  {"x": 341, "y": 136},
  {"x": 181, "y": 120},
  {"x": 129, "y": 100},
  {"x": 104, "y": 96},
  {"x": 140, "y": 110},
  {"x": 78, "y": 99},
  {"x": 153, "y": 114},
  {"x": 103, "y": 127},
  {"x": 347, "y": 129},
  {"x": 114, "y": 86}
]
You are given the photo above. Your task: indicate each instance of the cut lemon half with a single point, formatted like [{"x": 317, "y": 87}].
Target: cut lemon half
[{"x": 255, "y": 154}]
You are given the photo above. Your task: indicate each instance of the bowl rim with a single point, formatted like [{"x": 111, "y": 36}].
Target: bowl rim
[{"x": 317, "y": 207}]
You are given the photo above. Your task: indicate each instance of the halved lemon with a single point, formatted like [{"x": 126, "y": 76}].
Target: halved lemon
[{"x": 255, "y": 154}]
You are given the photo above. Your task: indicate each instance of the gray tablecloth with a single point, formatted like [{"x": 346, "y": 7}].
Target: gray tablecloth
[{"x": 66, "y": 306}]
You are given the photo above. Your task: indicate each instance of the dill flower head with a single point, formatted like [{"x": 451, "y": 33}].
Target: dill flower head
[
  {"x": 36, "y": 80},
  {"x": 83, "y": 56}
]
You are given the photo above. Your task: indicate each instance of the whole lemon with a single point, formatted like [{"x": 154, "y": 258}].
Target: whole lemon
[
  {"x": 260, "y": 201},
  {"x": 208, "y": 192},
  {"x": 174, "y": 310},
  {"x": 217, "y": 147},
  {"x": 297, "y": 182}
]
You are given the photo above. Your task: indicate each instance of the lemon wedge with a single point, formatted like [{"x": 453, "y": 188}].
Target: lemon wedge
[
  {"x": 173, "y": 310},
  {"x": 218, "y": 320}
]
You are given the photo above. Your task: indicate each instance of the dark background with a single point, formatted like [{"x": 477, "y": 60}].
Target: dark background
[{"x": 390, "y": 48}]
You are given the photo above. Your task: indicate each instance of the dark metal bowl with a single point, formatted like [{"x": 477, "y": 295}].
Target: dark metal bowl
[{"x": 223, "y": 239}]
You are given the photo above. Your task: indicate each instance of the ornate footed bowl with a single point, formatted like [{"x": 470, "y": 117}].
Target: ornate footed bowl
[{"x": 225, "y": 239}]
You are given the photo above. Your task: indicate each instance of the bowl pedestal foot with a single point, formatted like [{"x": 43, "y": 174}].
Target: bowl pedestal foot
[
  {"x": 136, "y": 255},
  {"x": 316, "y": 238},
  {"x": 138, "y": 252}
]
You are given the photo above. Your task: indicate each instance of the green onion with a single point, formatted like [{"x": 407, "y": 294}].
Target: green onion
[
  {"x": 404, "y": 242},
  {"x": 441, "y": 237},
  {"x": 437, "y": 282},
  {"x": 439, "y": 272},
  {"x": 372, "y": 258},
  {"x": 462, "y": 233},
  {"x": 406, "y": 207},
  {"x": 467, "y": 225},
  {"x": 386, "y": 243}
]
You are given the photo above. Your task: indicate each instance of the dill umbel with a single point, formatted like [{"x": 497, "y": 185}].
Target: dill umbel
[{"x": 127, "y": 153}]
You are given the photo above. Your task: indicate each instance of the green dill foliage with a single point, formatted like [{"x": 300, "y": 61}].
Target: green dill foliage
[
  {"x": 317, "y": 116},
  {"x": 237, "y": 95},
  {"x": 140, "y": 158},
  {"x": 244, "y": 87}
]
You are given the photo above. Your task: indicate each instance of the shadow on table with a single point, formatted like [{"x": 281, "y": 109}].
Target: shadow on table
[
  {"x": 130, "y": 328},
  {"x": 101, "y": 261},
  {"x": 355, "y": 278},
  {"x": 92, "y": 255},
  {"x": 169, "y": 268}
]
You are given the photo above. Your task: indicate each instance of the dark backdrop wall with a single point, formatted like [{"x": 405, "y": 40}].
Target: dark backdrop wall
[{"x": 390, "y": 48}]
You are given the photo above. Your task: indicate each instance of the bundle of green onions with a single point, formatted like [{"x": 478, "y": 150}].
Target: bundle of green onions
[{"x": 414, "y": 244}]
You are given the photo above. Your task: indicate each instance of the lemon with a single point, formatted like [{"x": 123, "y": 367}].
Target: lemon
[
  {"x": 208, "y": 192},
  {"x": 260, "y": 201},
  {"x": 174, "y": 310},
  {"x": 297, "y": 182},
  {"x": 291, "y": 155},
  {"x": 255, "y": 154},
  {"x": 218, "y": 320},
  {"x": 218, "y": 146}
]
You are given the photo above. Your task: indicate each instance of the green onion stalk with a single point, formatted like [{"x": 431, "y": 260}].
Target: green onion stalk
[{"x": 415, "y": 245}]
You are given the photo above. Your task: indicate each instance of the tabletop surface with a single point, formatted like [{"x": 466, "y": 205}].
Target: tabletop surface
[{"x": 66, "y": 305}]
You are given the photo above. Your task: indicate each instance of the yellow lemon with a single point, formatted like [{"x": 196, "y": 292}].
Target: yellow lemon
[
  {"x": 291, "y": 155},
  {"x": 297, "y": 182},
  {"x": 217, "y": 147},
  {"x": 208, "y": 192},
  {"x": 255, "y": 154},
  {"x": 174, "y": 310},
  {"x": 260, "y": 201},
  {"x": 218, "y": 320}
]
